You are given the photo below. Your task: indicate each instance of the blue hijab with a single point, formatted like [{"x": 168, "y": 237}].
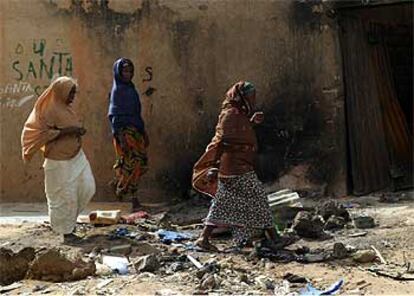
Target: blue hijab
[{"x": 124, "y": 105}]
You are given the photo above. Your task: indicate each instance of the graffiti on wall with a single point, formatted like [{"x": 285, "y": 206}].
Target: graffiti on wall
[
  {"x": 10, "y": 91},
  {"x": 40, "y": 62}
]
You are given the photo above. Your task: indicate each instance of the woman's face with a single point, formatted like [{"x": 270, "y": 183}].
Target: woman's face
[
  {"x": 251, "y": 98},
  {"x": 71, "y": 96},
  {"x": 127, "y": 73}
]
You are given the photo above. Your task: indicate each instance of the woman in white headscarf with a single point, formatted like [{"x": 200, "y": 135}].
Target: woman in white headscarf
[{"x": 54, "y": 128}]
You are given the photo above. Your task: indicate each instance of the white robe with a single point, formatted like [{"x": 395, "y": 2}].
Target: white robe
[{"x": 69, "y": 186}]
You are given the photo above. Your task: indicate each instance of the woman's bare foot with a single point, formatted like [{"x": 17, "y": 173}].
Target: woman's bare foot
[{"x": 205, "y": 245}]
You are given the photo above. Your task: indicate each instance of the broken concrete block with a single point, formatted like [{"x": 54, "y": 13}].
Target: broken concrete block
[
  {"x": 147, "y": 263},
  {"x": 364, "y": 222},
  {"x": 335, "y": 223},
  {"x": 333, "y": 208},
  {"x": 308, "y": 225},
  {"x": 339, "y": 251},
  {"x": 365, "y": 256}
]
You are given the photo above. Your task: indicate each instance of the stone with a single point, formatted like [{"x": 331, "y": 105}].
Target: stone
[
  {"x": 147, "y": 263},
  {"x": 365, "y": 256},
  {"x": 209, "y": 283},
  {"x": 339, "y": 251},
  {"x": 333, "y": 208},
  {"x": 14, "y": 266},
  {"x": 294, "y": 278},
  {"x": 177, "y": 266},
  {"x": 335, "y": 223},
  {"x": 308, "y": 225},
  {"x": 364, "y": 222},
  {"x": 264, "y": 282}
]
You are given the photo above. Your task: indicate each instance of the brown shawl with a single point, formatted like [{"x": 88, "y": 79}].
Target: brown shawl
[
  {"x": 51, "y": 113},
  {"x": 234, "y": 146}
]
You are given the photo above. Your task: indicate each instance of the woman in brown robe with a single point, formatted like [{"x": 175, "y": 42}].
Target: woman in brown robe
[{"x": 226, "y": 172}]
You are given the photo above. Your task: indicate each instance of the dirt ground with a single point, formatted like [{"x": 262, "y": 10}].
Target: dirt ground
[{"x": 393, "y": 237}]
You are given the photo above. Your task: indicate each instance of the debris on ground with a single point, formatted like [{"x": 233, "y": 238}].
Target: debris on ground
[
  {"x": 339, "y": 251},
  {"x": 333, "y": 208},
  {"x": 105, "y": 217},
  {"x": 147, "y": 263},
  {"x": 167, "y": 237},
  {"x": 294, "y": 278},
  {"x": 117, "y": 264},
  {"x": 14, "y": 266},
  {"x": 311, "y": 291},
  {"x": 131, "y": 218},
  {"x": 309, "y": 225},
  {"x": 365, "y": 256},
  {"x": 364, "y": 222},
  {"x": 394, "y": 271}
]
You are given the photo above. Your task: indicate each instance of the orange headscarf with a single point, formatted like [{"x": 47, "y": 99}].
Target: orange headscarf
[
  {"x": 50, "y": 113},
  {"x": 235, "y": 103}
]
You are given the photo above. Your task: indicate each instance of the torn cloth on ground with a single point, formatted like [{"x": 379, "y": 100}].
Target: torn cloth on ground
[
  {"x": 332, "y": 290},
  {"x": 168, "y": 237}
]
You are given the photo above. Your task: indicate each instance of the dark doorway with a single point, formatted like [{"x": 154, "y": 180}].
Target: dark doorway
[{"x": 377, "y": 48}]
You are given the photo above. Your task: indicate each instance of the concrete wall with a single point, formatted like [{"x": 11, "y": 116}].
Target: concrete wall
[{"x": 186, "y": 53}]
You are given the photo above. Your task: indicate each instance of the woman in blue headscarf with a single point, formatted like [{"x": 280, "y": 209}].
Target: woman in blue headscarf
[{"x": 129, "y": 136}]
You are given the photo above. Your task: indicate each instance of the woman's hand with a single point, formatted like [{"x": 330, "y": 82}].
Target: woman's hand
[
  {"x": 212, "y": 174},
  {"x": 257, "y": 118},
  {"x": 73, "y": 130}
]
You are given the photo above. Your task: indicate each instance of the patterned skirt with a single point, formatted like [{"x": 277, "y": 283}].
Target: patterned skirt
[
  {"x": 131, "y": 161},
  {"x": 241, "y": 204}
]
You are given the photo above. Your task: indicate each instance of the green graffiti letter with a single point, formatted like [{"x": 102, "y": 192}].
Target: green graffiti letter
[
  {"x": 69, "y": 67},
  {"x": 14, "y": 66},
  {"x": 40, "y": 47},
  {"x": 43, "y": 67},
  {"x": 31, "y": 69}
]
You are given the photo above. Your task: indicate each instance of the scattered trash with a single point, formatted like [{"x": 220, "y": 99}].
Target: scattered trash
[
  {"x": 11, "y": 287},
  {"x": 282, "y": 197},
  {"x": 148, "y": 263},
  {"x": 358, "y": 234},
  {"x": 335, "y": 223},
  {"x": 333, "y": 208},
  {"x": 379, "y": 255},
  {"x": 311, "y": 291},
  {"x": 116, "y": 263},
  {"x": 264, "y": 282},
  {"x": 365, "y": 256},
  {"x": 168, "y": 237},
  {"x": 364, "y": 222},
  {"x": 177, "y": 266},
  {"x": 314, "y": 258},
  {"x": 105, "y": 217},
  {"x": 295, "y": 279},
  {"x": 394, "y": 271},
  {"x": 309, "y": 225},
  {"x": 131, "y": 218},
  {"x": 195, "y": 262}
]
